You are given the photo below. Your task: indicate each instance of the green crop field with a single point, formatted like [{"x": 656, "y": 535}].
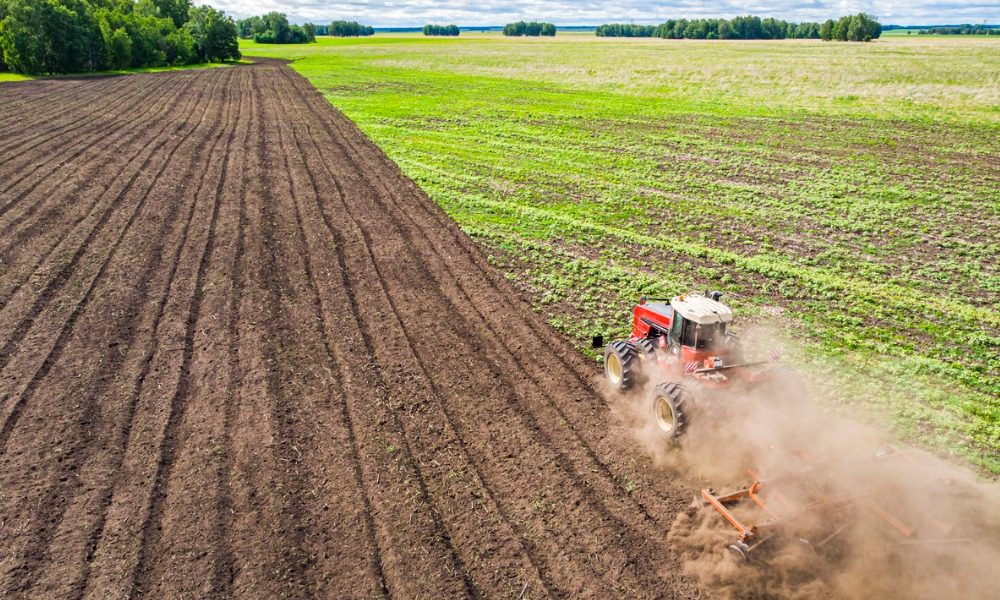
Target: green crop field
[{"x": 845, "y": 196}]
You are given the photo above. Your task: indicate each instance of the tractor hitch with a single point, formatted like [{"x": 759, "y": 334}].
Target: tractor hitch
[{"x": 727, "y": 367}]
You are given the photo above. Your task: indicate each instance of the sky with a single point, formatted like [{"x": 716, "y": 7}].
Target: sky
[{"x": 416, "y": 13}]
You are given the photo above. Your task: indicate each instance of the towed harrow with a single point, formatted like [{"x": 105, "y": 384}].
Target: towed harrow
[{"x": 817, "y": 502}]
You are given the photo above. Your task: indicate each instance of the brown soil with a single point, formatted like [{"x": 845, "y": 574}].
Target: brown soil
[{"x": 242, "y": 355}]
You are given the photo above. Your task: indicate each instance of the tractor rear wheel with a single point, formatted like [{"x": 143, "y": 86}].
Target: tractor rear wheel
[
  {"x": 621, "y": 365},
  {"x": 668, "y": 406}
]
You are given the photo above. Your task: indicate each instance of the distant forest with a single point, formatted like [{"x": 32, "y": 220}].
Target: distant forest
[
  {"x": 443, "y": 30},
  {"x": 855, "y": 28},
  {"x": 962, "y": 30},
  {"x": 350, "y": 29},
  {"x": 532, "y": 29},
  {"x": 273, "y": 28}
]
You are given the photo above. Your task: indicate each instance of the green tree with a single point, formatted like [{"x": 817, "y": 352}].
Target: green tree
[
  {"x": 248, "y": 28},
  {"x": 826, "y": 30},
  {"x": 740, "y": 28},
  {"x": 174, "y": 9},
  {"x": 679, "y": 27},
  {"x": 64, "y": 36},
  {"x": 436, "y": 30},
  {"x": 310, "y": 31},
  {"x": 46, "y": 36},
  {"x": 22, "y": 37},
  {"x": 214, "y": 34},
  {"x": 773, "y": 29},
  {"x": 277, "y": 23},
  {"x": 179, "y": 48},
  {"x": 350, "y": 29},
  {"x": 532, "y": 29},
  {"x": 842, "y": 28},
  {"x": 855, "y": 31},
  {"x": 119, "y": 46}
]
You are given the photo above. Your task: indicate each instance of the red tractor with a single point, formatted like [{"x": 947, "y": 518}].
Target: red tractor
[{"x": 682, "y": 343}]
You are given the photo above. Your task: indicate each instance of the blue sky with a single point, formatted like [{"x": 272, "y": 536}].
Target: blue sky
[{"x": 415, "y": 13}]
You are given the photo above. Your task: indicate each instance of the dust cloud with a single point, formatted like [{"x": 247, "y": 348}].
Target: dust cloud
[{"x": 854, "y": 546}]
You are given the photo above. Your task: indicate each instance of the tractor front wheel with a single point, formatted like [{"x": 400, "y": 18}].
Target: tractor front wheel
[
  {"x": 621, "y": 365},
  {"x": 669, "y": 401}
]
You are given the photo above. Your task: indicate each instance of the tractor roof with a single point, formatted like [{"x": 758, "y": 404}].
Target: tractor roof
[{"x": 700, "y": 309}]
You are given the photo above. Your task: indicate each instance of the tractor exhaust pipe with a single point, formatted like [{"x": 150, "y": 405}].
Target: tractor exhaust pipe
[{"x": 597, "y": 342}]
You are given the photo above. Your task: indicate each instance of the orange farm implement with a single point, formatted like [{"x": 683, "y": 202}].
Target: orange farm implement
[{"x": 817, "y": 503}]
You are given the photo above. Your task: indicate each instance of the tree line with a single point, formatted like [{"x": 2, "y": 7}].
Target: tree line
[
  {"x": 857, "y": 28},
  {"x": 532, "y": 29},
  {"x": 961, "y": 30},
  {"x": 447, "y": 30},
  {"x": 625, "y": 30},
  {"x": 350, "y": 29},
  {"x": 273, "y": 28},
  {"x": 76, "y": 36},
  {"x": 739, "y": 28}
]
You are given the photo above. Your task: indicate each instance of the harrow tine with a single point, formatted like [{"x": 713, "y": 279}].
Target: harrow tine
[{"x": 836, "y": 533}]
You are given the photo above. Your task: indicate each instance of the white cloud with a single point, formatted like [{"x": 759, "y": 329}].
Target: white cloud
[{"x": 415, "y": 13}]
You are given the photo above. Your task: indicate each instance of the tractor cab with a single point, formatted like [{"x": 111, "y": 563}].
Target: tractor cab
[
  {"x": 698, "y": 328},
  {"x": 690, "y": 327}
]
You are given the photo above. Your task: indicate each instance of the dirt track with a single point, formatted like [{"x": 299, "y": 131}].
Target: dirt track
[{"x": 243, "y": 355}]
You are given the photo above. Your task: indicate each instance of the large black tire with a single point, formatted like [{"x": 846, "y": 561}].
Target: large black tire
[
  {"x": 646, "y": 348},
  {"x": 668, "y": 404},
  {"x": 622, "y": 366}
]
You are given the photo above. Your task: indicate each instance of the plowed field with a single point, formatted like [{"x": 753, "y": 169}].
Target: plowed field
[{"x": 242, "y": 355}]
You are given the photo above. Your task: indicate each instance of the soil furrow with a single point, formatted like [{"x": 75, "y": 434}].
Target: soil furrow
[
  {"x": 222, "y": 580},
  {"x": 71, "y": 152},
  {"x": 18, "y": 97},
  {"x": 29, "y": 246},
  {"x": 264, "y": 511},
  {"x": 94, "y": 405},
  {"x": 504, "y": 541},
  {"x": 304, "y": 184},
  {"x": 320, "y": 453},
  {"x": 56, "y": 116},
  {"x": 18, "y": 315},
  {"x": 53, "y": 140},
  {"x": 494, "y": 394},
  {"x": 162, "y": 552},
  {"x": 556, "y": 428},
  {"x": 54, "y": 111},
  {"x": 133, "y": 493},
  {"x": 26, "y": 314},
  {"x": 41, "y": 525}
]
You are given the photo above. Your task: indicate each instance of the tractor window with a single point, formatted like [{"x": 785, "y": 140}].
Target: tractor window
[
  {"x": 702, "y": 336},
  {"x": 675, "y": 328}
]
